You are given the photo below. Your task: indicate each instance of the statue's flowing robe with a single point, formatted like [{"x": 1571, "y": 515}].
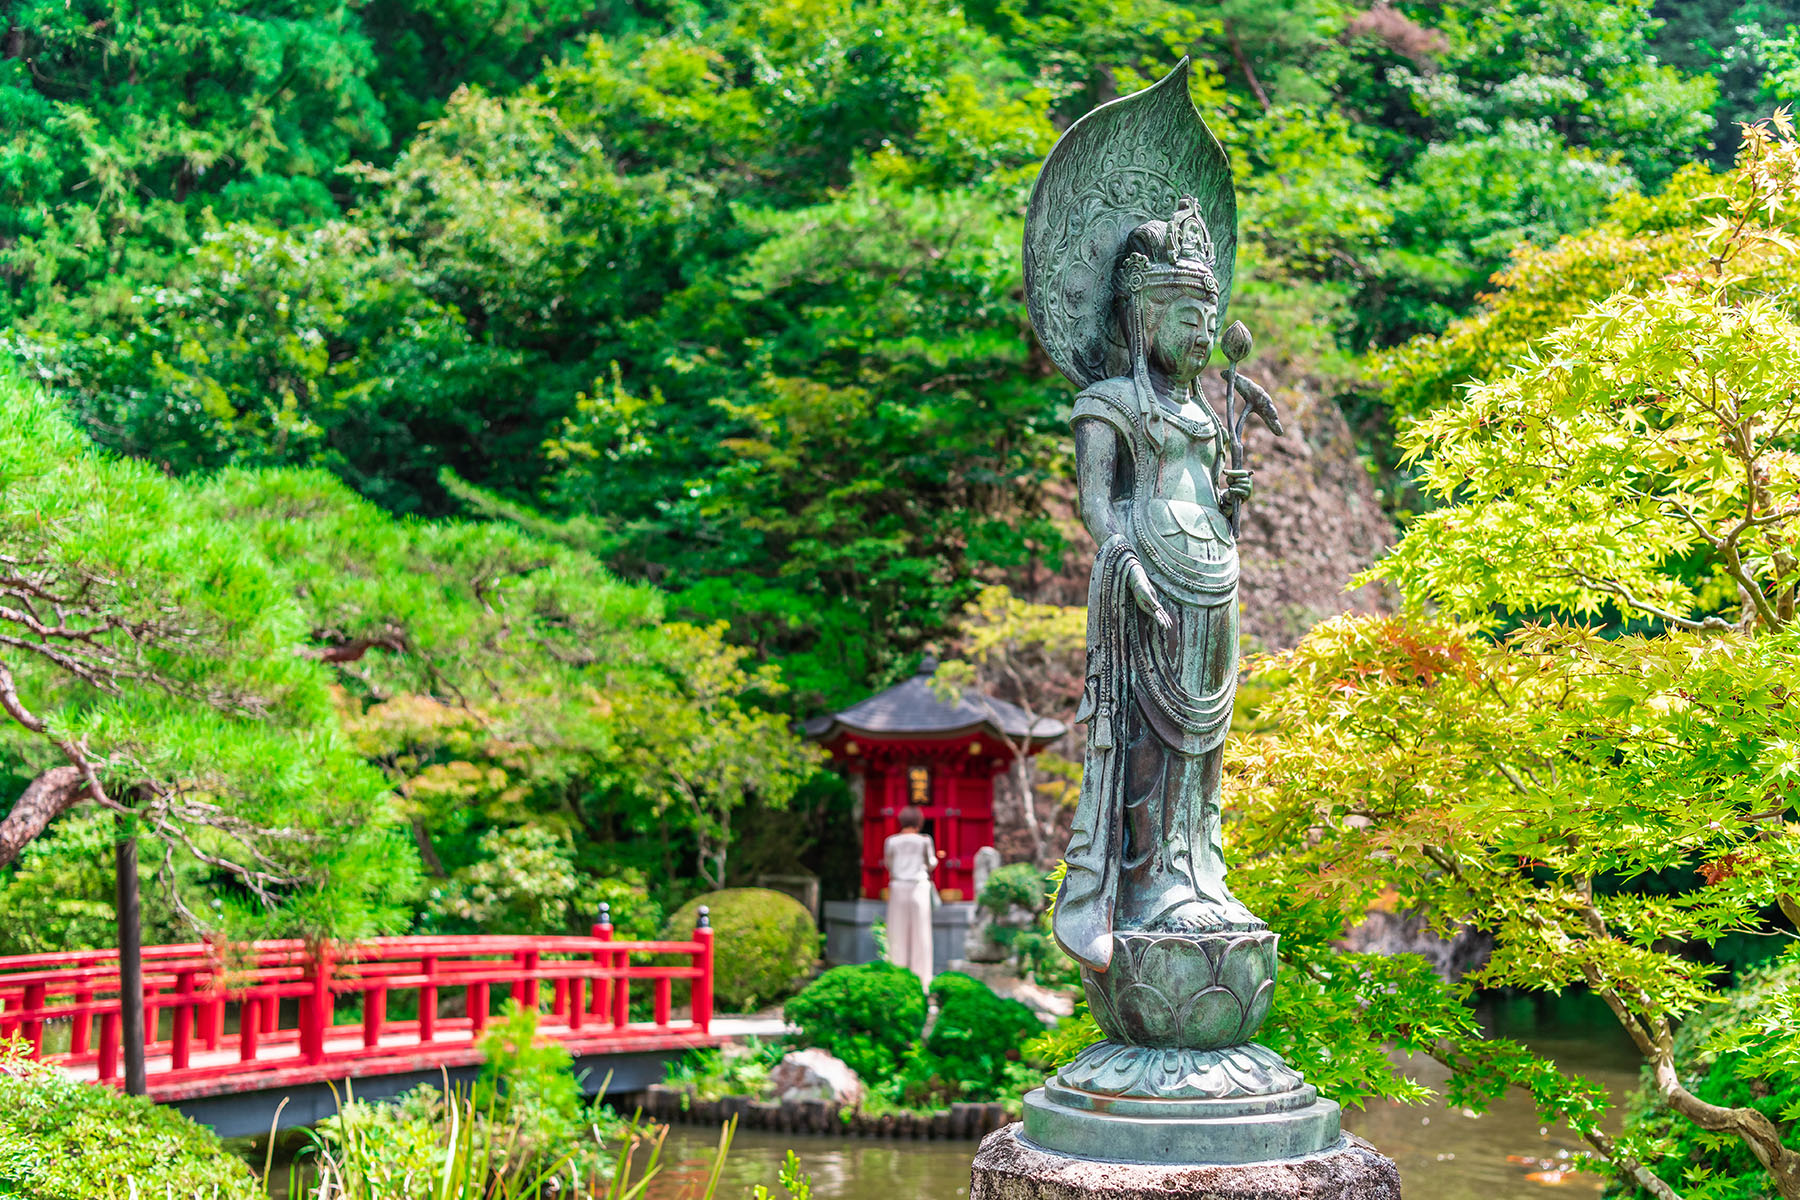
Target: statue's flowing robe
[{"x": 1181, "y": 686}]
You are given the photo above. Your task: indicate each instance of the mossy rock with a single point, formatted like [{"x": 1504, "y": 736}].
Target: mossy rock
[{"x": 764, "y": 945}]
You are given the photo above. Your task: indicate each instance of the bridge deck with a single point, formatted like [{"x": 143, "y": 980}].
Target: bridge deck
[{"x": 219, "y": 1072}]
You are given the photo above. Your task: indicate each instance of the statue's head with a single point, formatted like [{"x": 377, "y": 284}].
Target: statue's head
[{"x": 1166, "y": 294}]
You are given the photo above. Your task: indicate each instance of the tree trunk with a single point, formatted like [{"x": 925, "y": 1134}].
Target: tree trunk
[
  {"x": 1028, "y": 801},
  {"x": 428, "y": 852},
  {"x": 1756, "y": 1130},
  {"x": 44, "y": 799},
  {"x": 131, "y": 965}
]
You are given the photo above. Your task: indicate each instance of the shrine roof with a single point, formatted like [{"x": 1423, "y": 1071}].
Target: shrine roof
[{"x": 915, "y": 709}]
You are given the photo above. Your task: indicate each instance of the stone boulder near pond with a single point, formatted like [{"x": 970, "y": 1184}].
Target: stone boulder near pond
[{"x": 815, "y": 1075}]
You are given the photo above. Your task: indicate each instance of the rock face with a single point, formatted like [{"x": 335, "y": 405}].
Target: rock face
[
  {"x": 815, "y": 1075},
  {"x": 1386, "y": 932},
  {"x": 1010, "y": 1168},
  {"x": 1313, "y": 522}
]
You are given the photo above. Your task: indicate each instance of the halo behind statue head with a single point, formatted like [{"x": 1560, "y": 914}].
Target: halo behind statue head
[{"x": 1127, "y": 162}]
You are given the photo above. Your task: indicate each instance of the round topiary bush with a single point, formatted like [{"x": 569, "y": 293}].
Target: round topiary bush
[
  {"x": 764, "y": 944},
  {"x": 977, "y": 1035},
  {"x": 868, "y": 1016}
]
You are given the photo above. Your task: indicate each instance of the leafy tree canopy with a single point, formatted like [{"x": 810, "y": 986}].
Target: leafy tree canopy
[
  {"x": 1608, "y": 802},
  {"x": 734, "y": 288},
  {"x": 273, "y": 680}
]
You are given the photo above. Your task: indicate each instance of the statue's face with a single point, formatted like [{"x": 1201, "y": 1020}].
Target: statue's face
[{"x": 1182, "y": 329}]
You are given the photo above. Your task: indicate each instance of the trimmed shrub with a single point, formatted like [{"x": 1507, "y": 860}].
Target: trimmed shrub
[
  {"x": 976, "y": 1036},
  {"x": 1018, "y": 896},
  {"x": 869, "y": 1016},
  {"x": 952, "y": 985},
  {"x": 1719, "y": 1164},
  {"x": 1018, "y": 884},
  {"x": 765, "y": 944},
  {"x": 63, "y": 1140}
]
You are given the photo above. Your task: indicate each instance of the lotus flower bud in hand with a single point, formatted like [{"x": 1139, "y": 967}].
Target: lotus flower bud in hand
[{"x": 1237, "y": 342}]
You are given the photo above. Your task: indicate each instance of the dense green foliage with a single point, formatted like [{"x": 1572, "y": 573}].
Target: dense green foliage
[
  {"x": 65, "y": 1140},
  {"x": 178, "y": 700},
  {"x": 739, "y": 1068},
  {"x": 869, "y": 1016},
  {"x": 976, "y": 1036},
  {"x": 293, "y": 678},
  {"x": 524, "y": 1121},
  {"x": 1018, "y": 897},
  {"x": 1708, "y": 1166},
  {"x": 729, "y": 293},
  {"x": 873, "y": 1018},
  {"x": 1580, "y": 734},
  {"x": 765, "y": 944}
]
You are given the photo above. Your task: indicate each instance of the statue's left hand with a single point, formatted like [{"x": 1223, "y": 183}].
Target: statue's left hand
[{"x": 1237, "y": 489}]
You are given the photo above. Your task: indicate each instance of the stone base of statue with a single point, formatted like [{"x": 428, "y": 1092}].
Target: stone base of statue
[
  {"x": 1009, "y": 1167},
  {"x": 1122, "y": 1103}
]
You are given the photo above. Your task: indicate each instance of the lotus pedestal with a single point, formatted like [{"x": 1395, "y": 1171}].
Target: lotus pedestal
[{"x": 1178, "y": 1103}]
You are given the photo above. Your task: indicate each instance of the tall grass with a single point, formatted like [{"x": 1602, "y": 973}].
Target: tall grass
[{"x": 471, "y": 1156}]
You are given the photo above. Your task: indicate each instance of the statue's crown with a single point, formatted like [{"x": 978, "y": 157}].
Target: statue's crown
[{"x": 1176, "y": 251}]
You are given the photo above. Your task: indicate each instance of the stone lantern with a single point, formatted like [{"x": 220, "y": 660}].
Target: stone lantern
[{"x": 909, "y": 745}]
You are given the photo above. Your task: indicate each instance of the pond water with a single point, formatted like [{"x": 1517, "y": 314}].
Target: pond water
[{"x": 1443, "y": 1154}]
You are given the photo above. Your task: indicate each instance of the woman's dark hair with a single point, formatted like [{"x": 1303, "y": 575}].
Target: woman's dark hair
[{"x": 911, "y": 819}]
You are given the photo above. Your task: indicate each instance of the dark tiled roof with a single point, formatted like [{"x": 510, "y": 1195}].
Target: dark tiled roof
[{"x": 914, "y": 707}]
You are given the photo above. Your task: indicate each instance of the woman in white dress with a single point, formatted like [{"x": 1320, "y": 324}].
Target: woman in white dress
[{"x": 910, "y": 859}]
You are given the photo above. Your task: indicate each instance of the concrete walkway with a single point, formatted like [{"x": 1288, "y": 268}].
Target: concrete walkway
[{"x": 758, "y": 1025}]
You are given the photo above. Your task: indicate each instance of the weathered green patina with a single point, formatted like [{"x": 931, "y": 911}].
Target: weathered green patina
[{"x": 1129, "y": 249}]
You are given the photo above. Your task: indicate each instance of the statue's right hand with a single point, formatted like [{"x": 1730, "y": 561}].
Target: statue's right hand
[{"x": 1147, "y": 600}]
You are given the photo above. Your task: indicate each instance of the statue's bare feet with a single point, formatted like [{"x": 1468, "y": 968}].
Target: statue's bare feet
[{"x": 1206, "y": 915}]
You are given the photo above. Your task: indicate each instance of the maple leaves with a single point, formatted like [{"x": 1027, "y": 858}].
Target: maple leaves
[{"x": 1580, "y": 736}]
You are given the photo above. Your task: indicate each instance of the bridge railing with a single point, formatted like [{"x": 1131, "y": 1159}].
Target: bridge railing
[{"x": 293, "y": 1006}]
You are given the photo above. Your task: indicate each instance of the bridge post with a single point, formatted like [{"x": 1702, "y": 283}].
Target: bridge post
[
  {"x": 249, "y": 1015},
  {"x": 80, "y": 1035},
  {"x": 215, "y": 1016},
  {"x": 181, "y": 1046},
  {"x": 621, "y": 989},
  {"x": 374, "y": 1016},
  {"x": 315, "y": 1008},
  {"x": 32, "y": 1028},
  {"x": 108, "y": 1067},
  {"x": 478, "y": 1008},
  {"x": 428, "y": 999},
  {"x": 603, "y": 929},
  {"x": 703, "y": 983}
]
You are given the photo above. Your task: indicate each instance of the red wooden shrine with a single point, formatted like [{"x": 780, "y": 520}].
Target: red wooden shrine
[{"x": 908, "y": 745}]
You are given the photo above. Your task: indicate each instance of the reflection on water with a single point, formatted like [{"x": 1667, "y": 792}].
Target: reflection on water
[
  {"x": 851, "y": 1169},
  {"x": 1448, "y": 1154},
  {"x": 1443, "y": 1154}
]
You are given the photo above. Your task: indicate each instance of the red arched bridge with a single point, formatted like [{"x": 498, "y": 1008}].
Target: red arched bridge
[{"x": 280, "y": 1017}]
